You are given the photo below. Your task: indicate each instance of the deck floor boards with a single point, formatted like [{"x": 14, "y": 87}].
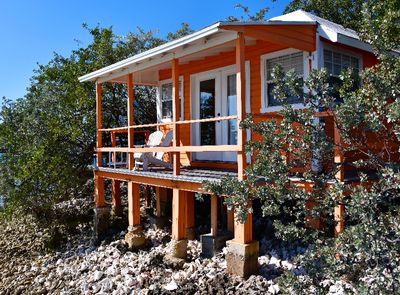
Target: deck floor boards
[{"x": 187, "y": 173}]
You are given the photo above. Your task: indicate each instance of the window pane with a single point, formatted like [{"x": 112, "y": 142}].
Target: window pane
[
  {"x": 232, "y": 125},
  {"x": 287, "y": 62},
  {"x": 166, "y": 92},
  {"x": 166, "y": 99},
  {"x": 166, "y": 109},
  {"x": 345, "y": 61}
]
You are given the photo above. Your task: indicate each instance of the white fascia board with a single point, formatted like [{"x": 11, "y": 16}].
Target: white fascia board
[
  {"x": 327, "y": 33},
  {"x": 151, "y": 53},
  {"x": 354, "y": 43},
  {"x": 269, "y": 22},
  {"x": 136, "y": 66}
]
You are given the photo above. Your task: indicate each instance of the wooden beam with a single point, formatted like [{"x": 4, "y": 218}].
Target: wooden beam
[
  {"x": 214, "y": 215},
  {"x": 241, "y": 103},
  {"x": 130, "y": 120},
  {"x": 193, "y": 148},
  {"x": 98, "y": 122},
  {"x": 150, "y": 180},
  {"x": 178, "y": 215},
  {"x": 175, "y": 115},
  {"x": 133, "y": 203},
  {"x": 99, "y": 198}
]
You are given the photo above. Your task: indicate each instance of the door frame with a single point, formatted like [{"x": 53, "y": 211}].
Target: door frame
[{"x": 220, "y": 107}]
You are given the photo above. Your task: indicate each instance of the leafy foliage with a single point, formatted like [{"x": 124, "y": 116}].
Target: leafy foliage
[
  {"x": 345, "y": 12},
  {"x": 48, "y": 137},
  {"x": 295, "y": 145}
]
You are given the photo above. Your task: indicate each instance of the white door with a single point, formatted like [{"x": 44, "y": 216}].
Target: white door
[{"x": 214, "y": 95}]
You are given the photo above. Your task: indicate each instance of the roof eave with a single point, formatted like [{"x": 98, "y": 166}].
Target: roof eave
[{"x": 151, "y": 53}]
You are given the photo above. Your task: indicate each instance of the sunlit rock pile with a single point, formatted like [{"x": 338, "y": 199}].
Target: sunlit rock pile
[{"x": 82, "y": 268}]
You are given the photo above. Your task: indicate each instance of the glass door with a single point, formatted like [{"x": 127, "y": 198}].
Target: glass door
[
  {"x": 208, "y": 105},
  {"x": 229, "y": 104}
]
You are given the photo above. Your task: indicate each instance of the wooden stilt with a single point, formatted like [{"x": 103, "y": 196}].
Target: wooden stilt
[
  {"x": 147, "y": 200},
  {"x": 244, "y": 232},
  {"x": 214, "y": 215},
  {"x": 230, "y": 220},
  {"x": 339, "y": 219},
  {"x": 190, "y": 223},
  {"x": 133, "y": 203},
  {"x": 99, "y": 198},
  {"x": 116, "y": 193},
  {"x": 178, "y": 215}
]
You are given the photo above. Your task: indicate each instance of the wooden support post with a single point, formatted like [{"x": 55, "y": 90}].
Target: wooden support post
[
  {"x": 178, "y": 215},
  {"x": 190, "y": 222},
  {"x": 130, "y": 120},
  {"x": 240, "y": 102},
  {"x": 146, "y": 193},
  {"x": 214, "y": 215},
  {"x": 99, "y": 192},
  {"x": 338, "y": 153},
  {"x": 339, "y": 219},
  {"x": 230, "y": 220},
  {"x": 243, "y": 232},
  {"x": 116, "y": 194},
  {"x": 133, "y": 204},
  {"x": 98, "y": 123},
  {"x": 158, "y": 201},
  {"x": 175, "y": 115}
]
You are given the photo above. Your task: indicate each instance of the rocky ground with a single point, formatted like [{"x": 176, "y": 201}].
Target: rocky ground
[{"x": 82, "y": 268}]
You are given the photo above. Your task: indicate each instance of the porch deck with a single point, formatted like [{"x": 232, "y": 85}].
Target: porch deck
[{"x": 190, "y": 178}]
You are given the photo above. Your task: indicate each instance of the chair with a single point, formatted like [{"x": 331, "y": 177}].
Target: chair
[{"x": 156, "y": 158}]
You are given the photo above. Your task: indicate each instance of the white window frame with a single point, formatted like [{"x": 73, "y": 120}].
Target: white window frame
[
  {"x": 160, "y": 119},
  {"x": 326, "y": 46},
  {"x": 263, "y": 72}
]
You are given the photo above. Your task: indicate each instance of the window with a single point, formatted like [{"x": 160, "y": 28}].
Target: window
[
  {"x": 335, "y": 63},
  {"x": 165, "y": 100},
  {"x": 293, "y": 61}
]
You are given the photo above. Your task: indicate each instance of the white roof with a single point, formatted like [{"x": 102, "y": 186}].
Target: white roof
[{"x": 212, "y": 37}]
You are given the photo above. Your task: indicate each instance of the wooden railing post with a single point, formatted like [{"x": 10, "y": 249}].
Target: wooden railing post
[
  {"x": 243, "y": 232},
  {"x": 98, "y": 123},
  {"x": 130, "y": 121},
  {"x": 240, "y": 102},
  {"x": 175, "y": 115},
  {"x": 242, "y": 253}
]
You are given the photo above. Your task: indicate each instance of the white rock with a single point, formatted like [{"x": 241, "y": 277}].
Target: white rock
[
  {"x": 171, "y": 286},
  {"x": 97, "y": 275},
  {"x": 273, "y": 289}
]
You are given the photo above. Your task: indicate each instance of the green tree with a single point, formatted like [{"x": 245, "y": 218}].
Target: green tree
[
  {"x": 365, "y": 258},
  {"x": 48, "y": 137},
  {"x": 345, "y": 12}
]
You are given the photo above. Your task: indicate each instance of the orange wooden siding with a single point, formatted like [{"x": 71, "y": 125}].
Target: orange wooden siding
[{"x": 252, "y": 53}]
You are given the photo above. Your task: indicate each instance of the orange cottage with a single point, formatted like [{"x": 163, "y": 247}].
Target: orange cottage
[{"x": 207, "y": 82}]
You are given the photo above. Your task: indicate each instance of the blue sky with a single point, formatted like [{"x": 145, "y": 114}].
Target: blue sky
[{"x": 31, "y": 31}]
